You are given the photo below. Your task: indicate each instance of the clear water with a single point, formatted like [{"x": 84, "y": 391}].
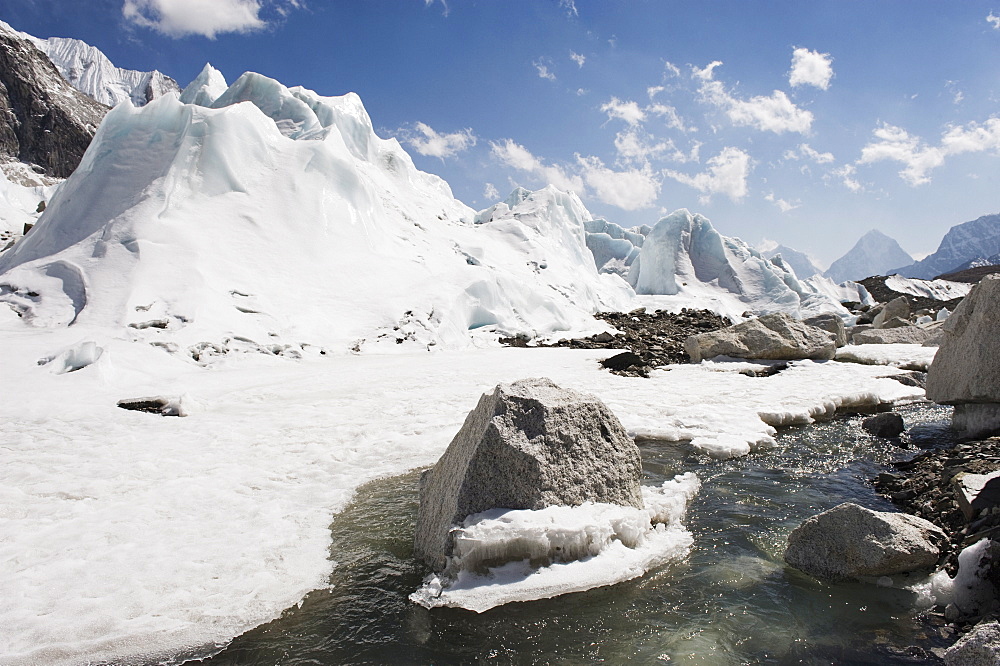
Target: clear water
[{"x": 733, "y": 601}]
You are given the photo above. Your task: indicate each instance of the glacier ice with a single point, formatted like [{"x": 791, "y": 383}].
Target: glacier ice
[
  {"x": 290, "y": 199},
  {"x": 207, "y": 87},
  {"x": 504, "y": 555},
  {"x": 685, "y": 256}
]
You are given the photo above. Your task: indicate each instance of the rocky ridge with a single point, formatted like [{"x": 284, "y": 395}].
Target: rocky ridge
[{"x": 43, "y": 119}]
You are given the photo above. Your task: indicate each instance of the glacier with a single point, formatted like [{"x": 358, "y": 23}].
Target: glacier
[
  {"x": 685, "y": 258},
  {"x": 278, "y": 211},
  {"x": 274, "y": 270}
]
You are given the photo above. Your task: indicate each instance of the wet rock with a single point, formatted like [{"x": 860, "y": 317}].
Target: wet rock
[
  {"x": 775, "y": 336},
  {"x": 623, "y": 361},
  {"x": 979, "y": 647},
  {"x": 155, "y": 405},
  {"x": 889, "y": 424},
  {"x": 966, "y": 369},
  {"x": 849, "y": 541},
  {"x": 526, "y": 445}
]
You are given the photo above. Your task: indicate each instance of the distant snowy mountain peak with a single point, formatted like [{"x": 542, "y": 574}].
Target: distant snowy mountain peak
[
  {"x": 287, "y": 222},
  {"x": 207, "y": 87},
  {"x": 873, "y": 254},
  {"x": 91, "y": 72},
  {"x": 963, "y": 243}
]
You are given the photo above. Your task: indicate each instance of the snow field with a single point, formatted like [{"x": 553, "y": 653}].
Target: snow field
[{"x": 125, "y": 533}]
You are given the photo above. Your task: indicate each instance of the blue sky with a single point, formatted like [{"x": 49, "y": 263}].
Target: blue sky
[{"x": 807, "y": 123}]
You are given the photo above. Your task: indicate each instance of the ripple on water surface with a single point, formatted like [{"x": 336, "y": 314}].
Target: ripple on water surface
[{"x": 733, "y": 601}]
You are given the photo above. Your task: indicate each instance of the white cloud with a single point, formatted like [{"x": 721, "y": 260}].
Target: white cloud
[
  {"x": 569, "y": 6},
  {"x": 993, "y": 20},
  {"x": 490, "y": 192},
  {"x": 542, "y": 65},
  {"x": 783, "y": 206},
  {"x": 810, "y": 68},
  {"x": 918, "y": 158},
  {"x": 806, "y": 152},
  {"x": 177, "y": 18},
  {"x": 653, "y": 91},
  {"x": 577, "y": 58},
  {"x": 775, "y": 113},
  {"x": 628, "y": 111},
  {"x": 637, "y": 147},
  {"x": 846, "y": 174},
  {"x": 426, "y": 141},
  {"x": 727, "y": 174},
  {"x": 671, "y": 69},
  {"x": 444, "y": 3},
  {"x": 631, "y": 189},
  {"x": 580, "y": 92},
  {"x": 634, "y": 115},
  {"x": 515, "y": 155}
]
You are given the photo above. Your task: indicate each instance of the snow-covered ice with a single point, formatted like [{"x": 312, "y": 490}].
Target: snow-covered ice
[
  {"x": 127, "y": 533},
  {"x": 942, "y": 290},
  {"x": 906, "y": 356},
  {"x": 503, "y": 556}
]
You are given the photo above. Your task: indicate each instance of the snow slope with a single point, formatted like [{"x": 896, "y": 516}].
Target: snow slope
[
  {"x": 128, "y": 534},
  {"x": 278, "y": 220},
  {"x": 942, "y": 290},
  {"x": 92, "y": 73},
  {"x": 684, "y": 257},
  {"x": 873, "y": 254}
]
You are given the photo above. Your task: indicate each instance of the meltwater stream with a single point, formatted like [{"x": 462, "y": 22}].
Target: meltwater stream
[{"x": 733, "y": 601}]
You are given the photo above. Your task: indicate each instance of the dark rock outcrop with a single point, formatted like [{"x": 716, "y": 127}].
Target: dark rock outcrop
[{"x": 43, "y": 119}]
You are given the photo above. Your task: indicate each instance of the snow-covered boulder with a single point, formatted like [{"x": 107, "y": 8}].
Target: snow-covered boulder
[
  {"x": 850, "y": 541},
  {"x": 774, "y": 336},
  {"x": 979, "y": 647},
  {"x": 975, "y": 590},
  {"x": 526, "y": 445},
  {"x": 966, "y": 370}
]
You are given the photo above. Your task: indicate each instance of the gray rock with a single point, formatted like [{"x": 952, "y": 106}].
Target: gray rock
[
  {"x": 829, "y": 322},
  {"x": 849, "y": 541},
  {"x": 889, "y": 424},
  {"x": 898, "y": 307},
  {"x": 896, "y": 322},
  {"x": 966, "y": 369},
  {"x": 526, "y": 445},
  {"x": 979, "y": 647},
  {"x": 911, "y": 335},
  {"x": 774, "y": 337}
]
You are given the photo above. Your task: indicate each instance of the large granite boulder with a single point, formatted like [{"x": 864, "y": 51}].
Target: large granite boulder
[
  {"x": 829, "y": 322},
  {"x": 966, "y": 369},
  {"x": 850, "y": 541},
  {"x": 526, "y": 445},
  {"x": 979, "y": 647},
  {"x": 774, "y": 337},
  {"x": 897, "y": 308}
]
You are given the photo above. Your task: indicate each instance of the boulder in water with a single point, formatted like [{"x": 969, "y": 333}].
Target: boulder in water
[
  {"x": 526, "y": 445},
  {"x": 889, "y": 424},
  {"x": 979, "y": 647},
  {"x": 850, "y": 541}
]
